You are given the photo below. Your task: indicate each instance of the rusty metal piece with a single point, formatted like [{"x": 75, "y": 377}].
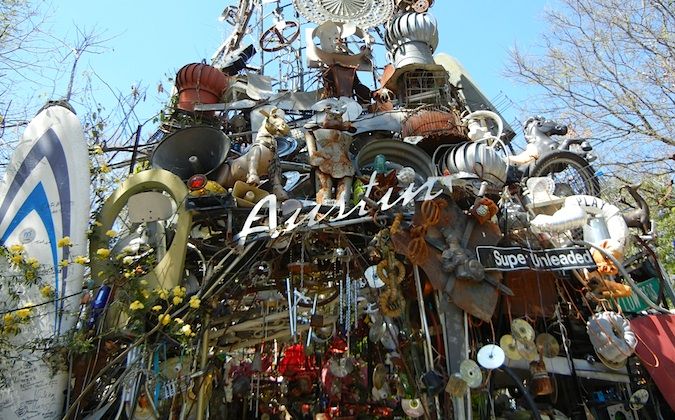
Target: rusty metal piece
[
  {"x": 436, "y": 126},
  {"x": 331, "y": 154},
  {"x": 339, "y": 81},
  {"x": 534, "y": 293}
]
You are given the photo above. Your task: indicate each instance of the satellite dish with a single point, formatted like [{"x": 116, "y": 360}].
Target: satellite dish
[{"x": 491, "y": 356}]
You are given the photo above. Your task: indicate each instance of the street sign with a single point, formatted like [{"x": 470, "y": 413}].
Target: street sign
[{"x": 634, "y": 303}]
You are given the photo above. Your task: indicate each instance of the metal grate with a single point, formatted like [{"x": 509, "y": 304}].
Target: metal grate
[{"x": 420, "y": 87}]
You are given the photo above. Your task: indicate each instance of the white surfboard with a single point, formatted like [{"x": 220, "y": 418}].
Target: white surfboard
[{"x": 44, "y": 197}]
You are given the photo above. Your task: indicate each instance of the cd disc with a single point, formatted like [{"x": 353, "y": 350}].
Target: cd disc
[
  {"x": 528, "y": 350},
  {"x": 509, "y": 345},
  {"x": 547, "y": 345},
  {"x": 412, "y": 407},
  {"x": 638, "y": 399},
  {"x": 522, "y": 331},
  {"x": 490, "y": 356},
  {"x": 379, "y": 375},
  {"x": 471, "y": 373}
]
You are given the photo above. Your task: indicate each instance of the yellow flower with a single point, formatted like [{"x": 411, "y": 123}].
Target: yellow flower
[
  {"x": 17, "y": 258},
  {"x": 16, "y": 248},
  {"x": 8, "y": 318},
  {"x": 103, "y": 252},
  {"x": 63, "y": 263},
  {"x": 65, "y": 241},
  {"x": 186, "y": 330},
  {"x": 178, "y": 321},
  {"x": 23, "y": 313},
  {"x": 80, "y": 259},
  {"x": 179, "y": 291},
  {"x": 162, "y": 293},
  {"x": 143, "y": 282},
  {"x": 47, "y": 291},
  {"x": 164, "y": 319},
  {"x": 111, "y": 234},
  {"x": 97, "y": 150},
  {"x": 195, "y": 302},
  {"x": 33, "y": 262},
  {"x": 145, "y": 293},
  {"x": 104, "y": 168},
  {"x": 157, "y": 308},
  {"x": 97, "y": 223},
  {"x": 177, "y": 300},
  {"x": 135, "y": 305}
]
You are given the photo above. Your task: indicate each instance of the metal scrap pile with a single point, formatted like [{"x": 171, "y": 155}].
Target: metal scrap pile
[{"x": 314, "y": 245}]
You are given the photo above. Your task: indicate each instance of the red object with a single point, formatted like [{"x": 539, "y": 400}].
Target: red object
[
  {"x": 656, "y": 349},
  {"x": 294, "y": 361},
  {"x": 196, "y": 182},
  {"x": 199, "y": 83}
]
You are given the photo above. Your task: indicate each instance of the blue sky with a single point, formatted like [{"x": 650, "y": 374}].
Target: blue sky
[{"x": 150, "y": 39}]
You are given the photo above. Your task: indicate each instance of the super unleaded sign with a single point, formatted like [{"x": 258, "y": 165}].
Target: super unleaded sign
[{"x": 517, "y": 258}]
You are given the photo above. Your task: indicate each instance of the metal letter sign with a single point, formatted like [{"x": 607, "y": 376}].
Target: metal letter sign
[{"x": 516, "y": 258}]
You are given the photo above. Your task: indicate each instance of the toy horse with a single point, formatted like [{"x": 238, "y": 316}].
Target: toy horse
[{"x": 261, "y": 158}]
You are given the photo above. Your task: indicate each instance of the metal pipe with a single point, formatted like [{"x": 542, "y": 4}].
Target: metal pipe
[
  {"x": 625, "y": 274},
  {"x": 201, "y": 400},
  {"x": 528, "y": 397}
]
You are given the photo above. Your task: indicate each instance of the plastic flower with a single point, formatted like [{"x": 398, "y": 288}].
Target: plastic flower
[
  {"x": 33, "y": 262},
  {"x": 17, "y": 258},
  {"x": 16, "y": 248},
  {"x": 65, "y": 241},
  {"x": 47, "y": 291},
  {"x": 164, "y": 319},
  {"x": 162, "y": 293},
  {"x": 111, "y": 234},
  {"x": 23, "y": 313},
  {"x": 136, "y": 305},
  {"x": 80, "y": 259},
  {"x": 103, "y": 252},
  {"x": 8, "y": 318},
  {"x": 186, "y": 330},
  {"x": 178, "y": 321},
  {"x": 63, "y": 263},
  {"x": 177, "y": 300},
  {"x": 179, "y": 291},
  {"x": 157, "y": 308},
  {"x": 195, "y": 302},
  {"x": 104, "y": 168},
  {"x": 97, "y": 150}
]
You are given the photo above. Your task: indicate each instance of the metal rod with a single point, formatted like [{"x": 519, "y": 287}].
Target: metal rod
[{"x": 201, "y": 400}]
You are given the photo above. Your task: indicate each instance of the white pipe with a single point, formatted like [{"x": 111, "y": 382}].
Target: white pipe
[
  {"x": 574, "y": 213},
  {"x": 487, "y": 114},
  {"x": 564, "y": 219}
]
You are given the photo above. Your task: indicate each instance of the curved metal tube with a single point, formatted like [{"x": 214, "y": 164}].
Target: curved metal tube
[
  {"x": 627, "y": 276},
  {"x": 526, "y": 394}
]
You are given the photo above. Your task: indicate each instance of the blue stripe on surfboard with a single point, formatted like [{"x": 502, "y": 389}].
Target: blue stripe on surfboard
[
  {"x": 37, "y": 201},
  {"x": 49, "y": 147}
]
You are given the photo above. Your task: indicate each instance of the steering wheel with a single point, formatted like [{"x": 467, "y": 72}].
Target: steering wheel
[{"x": 279, "y": 36}]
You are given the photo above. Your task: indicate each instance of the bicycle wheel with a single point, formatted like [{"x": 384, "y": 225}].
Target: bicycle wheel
[{"x": 572, "y": 174}]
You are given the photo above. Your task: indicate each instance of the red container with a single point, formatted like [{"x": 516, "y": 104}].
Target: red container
[{"x": 199, "y": 83}]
